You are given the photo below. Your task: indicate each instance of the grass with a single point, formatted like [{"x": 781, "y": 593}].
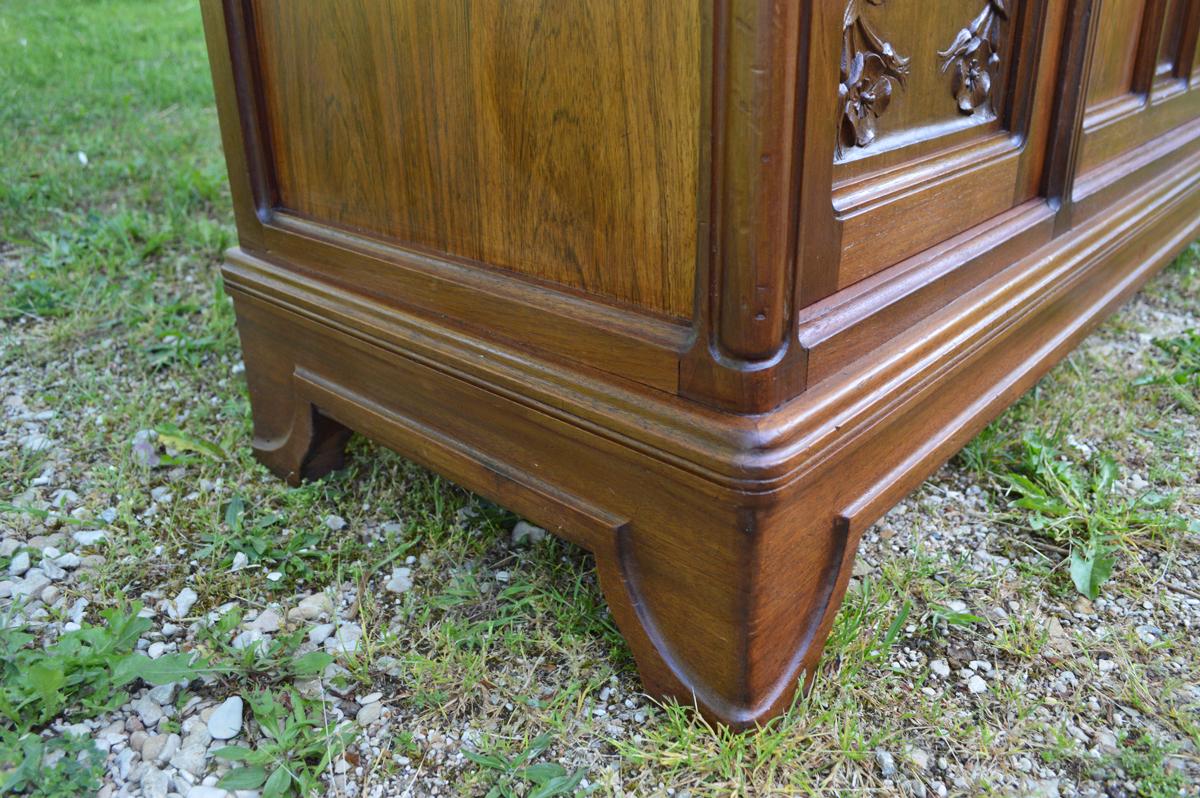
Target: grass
[{"x": 1060, "y": 547}]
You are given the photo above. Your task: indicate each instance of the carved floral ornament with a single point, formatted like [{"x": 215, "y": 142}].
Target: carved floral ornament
[
  {"x": 871, "y": 69},
  {"x": 975, "y": 56}
]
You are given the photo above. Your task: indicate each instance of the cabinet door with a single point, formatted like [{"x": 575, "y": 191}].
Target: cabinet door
[
  {"x": 1140, "y": 85},
  {"x": 941, "y": 112}
]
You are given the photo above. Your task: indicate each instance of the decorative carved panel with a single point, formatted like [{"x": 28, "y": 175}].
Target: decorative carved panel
[{"x": 918, "y": 71}]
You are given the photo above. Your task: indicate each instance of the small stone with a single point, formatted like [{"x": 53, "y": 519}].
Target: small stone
[
  {"x": 940, "y": 668},
  {"x": 155, "y": 783},
  {"x": 320, "y": 633},
  {"x": 274, "y": 576},
  {"x": 160, "y": 747},
  {"x": 69, "y": 561},
  {"x": 226, "y": 721},
  {"x": 33, "y": 584},
  {"x": 156, "y": 649},
  {"x": 886, "y": 762},
  {"x": 267, "y": 621},
  {"x": 182, "y": 604},
  {"x": 918, "y": 757},
  {"x": 163, "y": 694},
  {"x": 310, "y": 608},
  {"x": 1105, "y": 741},
  {"x": 124, "y": 763},
  {"x": 240, "y": 561},
  {"x": 52, "y": 571},
  {"x": 525, "y": 533},
  {"x": 89, "y": 537},
  {"x": 345, "y": 639},
  {"x": 370, "y": 698},
  {"x": 309, "y": 688},
  {"x": 335, "y": 522},
  {"x": 976, "y": 684},
  {"x": 401, "y": 581},
  {"x": 250, "y": 638},
  {"x": 19, "y": 564},
  {"x": 148, "y": 711},
  {"x": 191, "y": 758},
  {"x": 36, "y": 442},
  {"x": 369, "y": 714},
  {"x": 205, "y": 791},
  {"x": 137, "y": 740},
  {"x": 50, "y": 595}
]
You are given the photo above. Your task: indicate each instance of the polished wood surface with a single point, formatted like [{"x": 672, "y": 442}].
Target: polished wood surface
[
  {"x": 703, "y": 287},
  {"x": 1117, "y": 43},
  {"x": 526, "y": 136}
]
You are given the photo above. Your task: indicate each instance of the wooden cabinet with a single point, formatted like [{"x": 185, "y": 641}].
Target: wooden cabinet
[{"x": 704, "y": 286}]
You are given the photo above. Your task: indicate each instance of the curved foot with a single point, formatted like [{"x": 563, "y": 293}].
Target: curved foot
[
  {"x": 291, "y": 435},
  {"x": 733, "y": 621}
]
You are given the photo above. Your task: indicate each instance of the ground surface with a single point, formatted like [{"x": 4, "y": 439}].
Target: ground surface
[{"x": 390, "y": 634}]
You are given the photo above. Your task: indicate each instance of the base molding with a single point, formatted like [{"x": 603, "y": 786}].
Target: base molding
[{"x": 724, "y": 542}]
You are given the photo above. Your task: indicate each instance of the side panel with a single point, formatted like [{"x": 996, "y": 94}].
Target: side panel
[{"x": 557, "y": 140}]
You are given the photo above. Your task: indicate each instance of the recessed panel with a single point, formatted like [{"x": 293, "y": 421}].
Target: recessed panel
[
  {"x": 1170, "y": 39},
  {"x": 1115, "y": 50},
  {"x": 557, "y": 139}
]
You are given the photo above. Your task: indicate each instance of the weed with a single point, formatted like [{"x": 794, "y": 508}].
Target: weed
[
  {"x": 1179, "y": 375},
  {"x": 519, "y": 775},
  {"x": 299, "y": 743},
  {"x": 1078, "y": 505}
]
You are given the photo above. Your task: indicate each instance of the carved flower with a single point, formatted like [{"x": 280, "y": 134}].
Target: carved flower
[
  {"x": 866, "y": 92},
  {"x": 972, "y": 84},
  {"x": 974, "y": 54},
  {"x": 869, "y": 68}
]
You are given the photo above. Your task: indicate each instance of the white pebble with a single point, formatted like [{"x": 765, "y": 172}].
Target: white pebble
[
  {"x": 369, "y": 714},
  {"x": 401, "y": 581},
  {"x": 526, "y": 533},
  {"x": 182, "y": 605},
  {"x": 226, "y": 720},
  {"x": 19, "y": 564}
]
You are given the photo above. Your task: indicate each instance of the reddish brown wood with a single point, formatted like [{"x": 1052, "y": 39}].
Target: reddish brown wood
[{"x": 765, "y": 305}]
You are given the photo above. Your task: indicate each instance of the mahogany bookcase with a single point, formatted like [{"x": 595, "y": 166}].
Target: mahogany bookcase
[{"x": 704, "y": 286}]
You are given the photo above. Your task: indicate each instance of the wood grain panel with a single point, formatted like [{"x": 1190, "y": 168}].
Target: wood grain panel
[
  {"x": 1116, "y": 50},
  {"x": 523, "y": 134}
]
